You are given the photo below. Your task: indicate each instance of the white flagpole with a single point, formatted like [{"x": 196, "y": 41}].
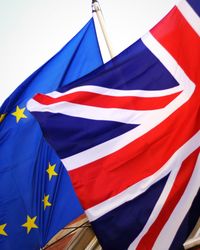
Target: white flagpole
[{"x": 96, "y": 9}]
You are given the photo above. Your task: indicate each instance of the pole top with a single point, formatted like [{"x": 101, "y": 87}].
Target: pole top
[{"x": 95, "y": 6}]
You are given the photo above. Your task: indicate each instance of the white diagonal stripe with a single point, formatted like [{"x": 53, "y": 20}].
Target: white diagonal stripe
[
  {"x": 95, "y": 113},
  {"x": 180, "y": 211},
  {"x": 190, "y": 15},
  {"x": 163, "y": 198},
  {"x": 167, "y": 60},
  {"x": 117, "y": 92}
]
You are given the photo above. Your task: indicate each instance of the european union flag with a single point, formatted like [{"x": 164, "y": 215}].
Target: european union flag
[{"x": 36, "y": 195}]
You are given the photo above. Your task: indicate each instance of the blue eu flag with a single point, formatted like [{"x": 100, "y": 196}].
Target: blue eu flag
[{"x": 36, "y": 195}]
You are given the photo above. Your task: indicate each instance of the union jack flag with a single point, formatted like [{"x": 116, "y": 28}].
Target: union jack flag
[{"x": 129, "y": 136}]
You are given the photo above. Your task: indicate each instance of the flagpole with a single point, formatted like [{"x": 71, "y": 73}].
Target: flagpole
[{"x": 96, "y": 9}]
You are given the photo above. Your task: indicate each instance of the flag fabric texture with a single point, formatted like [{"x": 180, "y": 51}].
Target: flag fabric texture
[
  {"x": 128, "y": 134},
  {"x": 36, "y": 195}
]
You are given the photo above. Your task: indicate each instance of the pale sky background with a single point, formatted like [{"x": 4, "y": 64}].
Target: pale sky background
[{"x": 32, "y": 31}]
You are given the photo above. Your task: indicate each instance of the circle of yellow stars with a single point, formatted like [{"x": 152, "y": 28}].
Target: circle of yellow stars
[{"x": 31, "y": 221}]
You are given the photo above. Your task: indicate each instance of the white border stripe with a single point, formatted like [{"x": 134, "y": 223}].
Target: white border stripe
[
  {"x": 117, "y": 92},
  {"x": 167, "y": 60},
  {"x": 190, "y": 15},
  {"x": 95, "y": 113},
  {"x": 173, "y": 164},
  {"x": 180, "y": 211}
]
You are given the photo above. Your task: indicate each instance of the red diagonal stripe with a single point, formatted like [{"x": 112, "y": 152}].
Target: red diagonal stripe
[
  {"x": 105, "y": 101},
  {"x": 175, "y": 194}
]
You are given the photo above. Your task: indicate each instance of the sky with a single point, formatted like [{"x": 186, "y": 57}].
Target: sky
[{"x": 32, "y": 31}]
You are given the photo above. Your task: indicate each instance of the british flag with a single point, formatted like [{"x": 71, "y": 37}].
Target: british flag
[{"x": 129, "y": 136}]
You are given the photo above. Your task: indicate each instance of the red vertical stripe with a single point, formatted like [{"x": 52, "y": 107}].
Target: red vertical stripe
[
  {"x": 175, "y": 194},
  {"x": 176, "y": 35},
  {"x": 181, "y": 41}
]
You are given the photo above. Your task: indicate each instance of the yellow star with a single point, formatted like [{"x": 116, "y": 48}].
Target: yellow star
[
  {"x": 2, "y": 116},
  {"x": 51, "y": 171},
  {"x": 46, "y": 202},
  {"x": 19, "y": 114},
  {"x": 2, "y": 231},
  {"x": 30, "y": 223}
]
